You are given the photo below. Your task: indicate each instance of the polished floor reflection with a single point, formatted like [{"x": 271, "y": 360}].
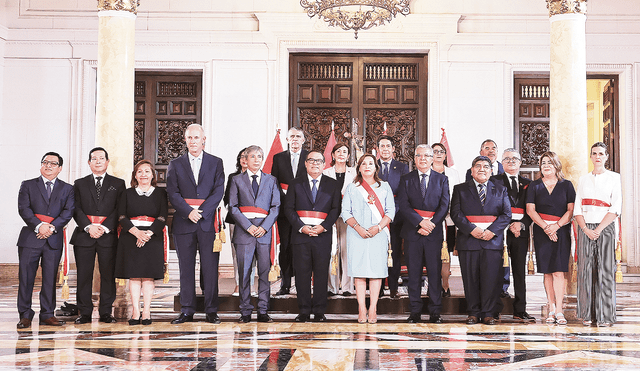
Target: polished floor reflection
[{"x": 340, "y": 344}]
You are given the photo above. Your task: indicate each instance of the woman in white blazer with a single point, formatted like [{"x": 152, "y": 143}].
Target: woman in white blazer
[{"x": 340, "y": 282}]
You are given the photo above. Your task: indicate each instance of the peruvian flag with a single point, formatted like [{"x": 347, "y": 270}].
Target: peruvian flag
[
  {"x": 327, "y": 150},
  {"x": 445, "y": 143},
  {"x": 276, "y": 147}
]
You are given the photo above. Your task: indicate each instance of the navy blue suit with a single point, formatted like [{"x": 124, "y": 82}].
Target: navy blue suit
[
  {"x": 190, "y": 237},
  {"x": 268, "y": 199},
  {"x": 32, "y": 252},
  {"x": 423, "y": 250},
  {"x": 396, "y": 170},
  {"x": 480, "y": 261},
  {"x": 312, "y": 254},
  {"x": 284, "y": 174}
]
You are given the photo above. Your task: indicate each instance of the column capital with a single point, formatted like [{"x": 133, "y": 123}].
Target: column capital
[
  {"x": 124, "y": 5},
  {"x": 566, "y": 7}
]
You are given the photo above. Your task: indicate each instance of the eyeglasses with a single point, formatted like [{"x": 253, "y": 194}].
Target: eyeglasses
[
  {"x": 510, "y": 159},
  {"x": 49, "y": 163},
  {"x": 439, "y": 152},
  {"x": 315, "y": 160}
]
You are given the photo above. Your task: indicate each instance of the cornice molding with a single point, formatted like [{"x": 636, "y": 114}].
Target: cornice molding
[
  {"x": 119, "y": 5},
  {"x": 557, "y": 7}
]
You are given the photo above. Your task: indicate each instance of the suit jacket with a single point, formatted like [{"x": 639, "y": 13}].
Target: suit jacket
[
  {"x": 299, "y": 198},
  {"x": 32, "y": 199},
  {"x": 281, "y": 168},
  {"x": 468, "y": 177},
  {"x": 88, "y": 203},
  {"x": 182, "y": 185},
  {"x": 466, "y": 202},
  {"x": 436, "y": 199},
  {"x": 396, "y": 170},
  {"x": 520, "y": 201},
  {"x": 268, "y": 198}
]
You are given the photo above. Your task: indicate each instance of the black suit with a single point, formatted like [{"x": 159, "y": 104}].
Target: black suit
[
  {"x": 312, "y": 254},
  {"x": 517, "y": 246},
  {"x": 85, "y": 248},
  {"x": 281, "y": 169}
]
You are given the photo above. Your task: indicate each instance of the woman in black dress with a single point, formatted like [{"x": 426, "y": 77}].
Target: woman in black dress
[
  {"x": 142, "y": 212},
  {"x": 550, "y": 201}
]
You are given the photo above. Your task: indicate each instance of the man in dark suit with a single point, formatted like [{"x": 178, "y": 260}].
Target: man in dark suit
[
  {"x": 489, "y": 148},
  {"x": 46, "y": 205},
  {"x": 518, "y": 231},
  {"x": 481, "y": 210},
  {"x": 423, "y": 200},
  {"x": 391, "y": 171},
  {"x": 312, "y": 205},
  {"x": 195, "y": 185},
  {"x": 288, "y": 165},
  {"x": 254, "y": 201},
  {"x": 96, "y": 214}
]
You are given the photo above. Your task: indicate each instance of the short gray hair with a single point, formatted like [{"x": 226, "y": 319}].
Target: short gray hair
[
  {"x": 293, "y": 128},
  {"x": 512, "y": 150},
  {"x": 194, "y": 126},
  {"x": 425, "y": 146},
  {"x": 253, "y": 148}
]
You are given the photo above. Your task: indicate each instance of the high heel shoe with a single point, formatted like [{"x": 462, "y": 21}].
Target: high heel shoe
[
  {"x": 362, "y": 318},
  {"x": 373, "y": 318},
  {"x": 146, "y": 322},
  {"x": 133, "y": 322}
]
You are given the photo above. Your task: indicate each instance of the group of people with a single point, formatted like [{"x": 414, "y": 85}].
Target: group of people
[{"x": 357, "y": 217}]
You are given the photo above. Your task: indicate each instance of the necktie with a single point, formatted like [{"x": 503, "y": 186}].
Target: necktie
[
  {"x": 481, "y": 193},
  {"x": 49, "y": 189},
  {"x": 314, "y": 189},
  {"x": 385, "y": 171},
  {"x": 294, "y": 163},
  {"x": 98, "y": 185},
  {"x": 423, "y": 185},
  {"x": 254, "y": 185},
  {"x": 514, "y": 187},
  {"x": 195, "y": 167}
]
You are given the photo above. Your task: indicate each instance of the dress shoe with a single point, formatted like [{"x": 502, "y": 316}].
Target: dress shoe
[
  {"x": 302, "y": 318},
  {"x": 213, "y": 318},
  {"x": 447, "y": 293},
  {"x": 24, "y": 323},
  {"x": 52, "y": 321},
  {"x": 524, "y": 317},
  {"x": 264, "y": 317},
  {"x": 283, "y": 291},
  {"x": 346, "y": 293},
  {"x": 505, "y": 294},
  {"x": 319, "y": 318},
  {"x": 489, "y": 321},
  {"x": 135, "y": 322},
  {"x": 245, "y": 319},
  {"x": 182, "y": 318},
  {"x": 108, "y": 318},
  {"x": 393, "y": 294},
  {"x": 435, "y": 318},
  {"x": 84, "y": 318},
  {"x": 472, "y": 320},
  {"x": 331, "y": 293},
  {"x": 414, "y": 318},
  {"x": 146, "y": 322}
]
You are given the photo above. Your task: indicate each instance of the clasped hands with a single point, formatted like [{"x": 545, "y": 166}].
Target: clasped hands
[
  {"x": 313, "y": 231},
  {"x": 426, "y": 227},
  {"x": 515, "y": 228},
  {"x": 367, "y": 233},
  {"x": 45, "y": 231},
  {"x": 195, "y": 215},
  {"x": 593, "y": 234},
  {"x": 256, "y": 231},
  {"x": 550, "y": 230},
  {"x": 142, "y": 236},
  {"x": 482, "y": 234},
  {"x": 95, "y": 231}
]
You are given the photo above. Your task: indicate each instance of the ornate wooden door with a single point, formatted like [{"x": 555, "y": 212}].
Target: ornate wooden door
[
  {"x": 610, "y": 132},
  {"x": 375, "y": 90},
  {"x": 531, "y": 121}
]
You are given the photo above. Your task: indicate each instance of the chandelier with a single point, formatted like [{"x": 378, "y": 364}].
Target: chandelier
[{"x": 355, "y": 15}]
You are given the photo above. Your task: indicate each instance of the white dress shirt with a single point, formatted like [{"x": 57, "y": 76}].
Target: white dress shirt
[{"x": 605, "y": 187}]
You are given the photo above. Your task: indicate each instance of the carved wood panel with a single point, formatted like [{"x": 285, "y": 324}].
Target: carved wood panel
[
  {"x": 401, "y": 126},
  {"x": 534, "y": 141},
  {"x": 138, "y": 141},
  {"x": 531, "y": 119},
  {"x": 171, "y": 142},
  {"x": 316, "y": 123},
  {"x": 610, "y": 132}
]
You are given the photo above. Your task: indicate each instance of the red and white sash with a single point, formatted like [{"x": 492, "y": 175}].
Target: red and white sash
[
  {"x": 481, "y": 221},
  {"x": 65, "y": 248},
  {"x": 194, "y": 202},
  {"x": 253, "y": 212},
  {"x": 549, "y": 218},
  {"x": 96, "y": 219},
  {"x": 425, "y": 214},
  {"x": 312, "y": 217},
  {"x": 517, "y": 213},
  {"x": 591, "y": 204},
  {"x": 374, "y": 204}
]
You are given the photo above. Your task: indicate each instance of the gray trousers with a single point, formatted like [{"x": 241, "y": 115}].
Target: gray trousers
[{"x": 245, "y": 255}]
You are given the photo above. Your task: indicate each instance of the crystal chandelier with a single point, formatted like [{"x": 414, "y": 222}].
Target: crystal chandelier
[{"x": 355, "y": 15}]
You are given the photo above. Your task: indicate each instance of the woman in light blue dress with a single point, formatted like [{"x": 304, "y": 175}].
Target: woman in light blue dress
[{"x": 367, "y": 213}]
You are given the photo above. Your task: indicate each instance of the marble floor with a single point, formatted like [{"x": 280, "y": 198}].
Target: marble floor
[{"x": 340, "y": 344}]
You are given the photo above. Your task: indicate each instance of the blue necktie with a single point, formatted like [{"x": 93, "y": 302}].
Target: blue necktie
[
  {"x": 385, "y": 171},
  {"x": 314, "y": 189},
  {"x": 49, "y": 189},
  {"x": 254, "y": 185},
  {"x": 481, "y": 193},
  {"x": 423, "y": 185}
]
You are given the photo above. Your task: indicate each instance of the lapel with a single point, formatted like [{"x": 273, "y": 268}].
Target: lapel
[
  {"x": 244, "y": 178},
  {"x": 92, "y": 186},
  {"x": 321, "y": 193},
  {"x": 415, "y": 183},
  {"x": 187, "y": 167},
  {"x": 56, "y": 191},
  {"x": 301, "y": 167},
  {"x": 430, "y": 185},
  {"x": 474, "y": 192},
  {"x": 307, "y": 189},
  {"x": 490, "y": 191},
  {"x": 43, "y": 189},
  {"x": 288, "y": 165}
]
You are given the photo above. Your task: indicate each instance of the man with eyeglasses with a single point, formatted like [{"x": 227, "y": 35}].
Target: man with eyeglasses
[
  {"x": 46, "y": 205},
  {"x": 312, "y": 206},
  {"x": 288, "y": 165},
  {"x": 518, "y": 231},
  {"x": 481, "y": 210},
  {"x": 390, "y": 171},
  {"x": 423, "y": 198},
  {"x": 96, "y": 214}
]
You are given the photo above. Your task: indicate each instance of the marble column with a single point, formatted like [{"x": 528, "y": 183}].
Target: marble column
[
  {"x": 568, "y": 91},
  {"x": 115, "y": 96}
]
